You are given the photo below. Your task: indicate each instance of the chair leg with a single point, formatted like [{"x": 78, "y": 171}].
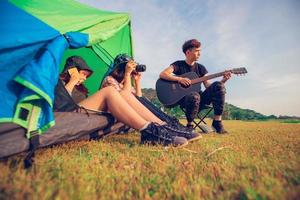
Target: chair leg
[
  {"x": 201, "y": 120},
  {"x": 203, "y": 128}
]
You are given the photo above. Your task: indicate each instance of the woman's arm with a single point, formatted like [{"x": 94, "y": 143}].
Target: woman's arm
[
  {"x": 74, "y": 80},
  {"x": 137, "y": 82},
  {"x": 130, "y": 66},
  {"x": 167, "y": 74}
]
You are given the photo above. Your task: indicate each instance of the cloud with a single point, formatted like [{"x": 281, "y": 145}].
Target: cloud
[{"x": 262, "y": 36}]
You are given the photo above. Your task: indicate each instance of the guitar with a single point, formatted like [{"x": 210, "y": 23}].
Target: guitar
[{"x": 170, "y": 92}]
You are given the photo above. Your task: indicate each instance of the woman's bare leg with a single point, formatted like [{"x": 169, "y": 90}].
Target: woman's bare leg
[
  {"x": 110, "y": 99},
  {"x": 140, "y": 108}
]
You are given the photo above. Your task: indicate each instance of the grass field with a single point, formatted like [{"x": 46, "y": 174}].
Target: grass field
[{"x": 257, "y": 160}]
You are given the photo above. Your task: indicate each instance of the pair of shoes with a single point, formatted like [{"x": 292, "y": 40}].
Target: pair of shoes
[
  {"x": 189, "y": 135},
  {"x": 218, "y": 126},
  {"x": 158, "y": 134}
]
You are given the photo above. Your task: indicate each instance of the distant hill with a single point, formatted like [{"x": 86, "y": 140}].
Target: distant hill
[
  {"x": 235, "y": 112},
  {"x": 230, "y": 111}
]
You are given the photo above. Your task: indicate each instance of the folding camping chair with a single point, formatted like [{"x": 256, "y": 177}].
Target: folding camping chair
[{"x": 201, "y": 115}]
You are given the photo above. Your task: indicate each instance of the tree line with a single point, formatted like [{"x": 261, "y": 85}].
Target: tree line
[{"x": 231, "y": 112}]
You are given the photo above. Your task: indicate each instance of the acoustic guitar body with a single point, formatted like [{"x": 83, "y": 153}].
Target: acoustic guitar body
[{"x": 170, "y": 92}]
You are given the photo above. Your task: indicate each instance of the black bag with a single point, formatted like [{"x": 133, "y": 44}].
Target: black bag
[
  {"x": 63, "y": 102},
  {"x": 156, "y": 111}
]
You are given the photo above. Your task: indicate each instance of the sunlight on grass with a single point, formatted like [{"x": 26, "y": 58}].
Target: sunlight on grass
[{"x": 257, "y": 160}]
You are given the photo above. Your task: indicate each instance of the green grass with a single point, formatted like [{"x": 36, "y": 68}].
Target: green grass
[
  {"x": 257, "y": 160},
  {"x": 292, "y": 121}
]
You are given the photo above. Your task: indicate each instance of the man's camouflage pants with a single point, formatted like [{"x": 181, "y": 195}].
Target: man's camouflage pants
[{"x": 194, "y": 102}]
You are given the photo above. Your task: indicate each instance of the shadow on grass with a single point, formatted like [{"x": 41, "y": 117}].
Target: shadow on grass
[{"x": 130, "y": 142}]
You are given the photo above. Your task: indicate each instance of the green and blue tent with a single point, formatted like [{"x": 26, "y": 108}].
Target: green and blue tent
[{"x": 36, "y": 38}]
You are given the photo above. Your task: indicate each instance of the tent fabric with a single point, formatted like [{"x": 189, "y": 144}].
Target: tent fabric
[
  {"x": 69, "y": 15},
  {"x": 22, "y": 35},
  {"x": 22, "y": 38},
  {"x": 39, "y": 89},
  {"x": 30, "y": 71},
  {"x": 109, "y": 32},
  {"x": 32, "y": 47}
]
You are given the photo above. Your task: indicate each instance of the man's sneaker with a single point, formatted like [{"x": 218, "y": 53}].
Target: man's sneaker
[
  {"x": 218, "y": 126},
  {"x": 190, "y": 136},
  {"x": 157, "y": 134}
]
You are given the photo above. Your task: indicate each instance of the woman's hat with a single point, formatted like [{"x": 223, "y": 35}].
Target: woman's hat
[
  {"x": 121, "y": 59},
  {"x": 78, "y": 62}
]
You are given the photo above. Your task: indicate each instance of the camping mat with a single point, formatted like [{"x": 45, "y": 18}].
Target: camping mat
[{"x": 69, "y": 126}]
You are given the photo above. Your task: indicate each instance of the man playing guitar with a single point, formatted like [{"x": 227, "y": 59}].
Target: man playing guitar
[{"x": 193, "y": 102}]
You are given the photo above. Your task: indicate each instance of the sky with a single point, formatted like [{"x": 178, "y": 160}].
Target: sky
[{"x": 262, "y": 36}]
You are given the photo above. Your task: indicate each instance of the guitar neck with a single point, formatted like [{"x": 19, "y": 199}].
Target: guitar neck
[{"x": 204, "y": 78}]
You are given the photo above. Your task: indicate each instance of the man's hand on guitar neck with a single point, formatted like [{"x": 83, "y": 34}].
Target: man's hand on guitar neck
[
  {"x": 226, "y": 76},
  {"x": 184, "y": 81}
]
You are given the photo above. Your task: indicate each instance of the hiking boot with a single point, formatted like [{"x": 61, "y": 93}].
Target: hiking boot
[
  {"x": 177, "y": 125},
  {"x": 189, "y": 135},
  {"x": 218, "y": 126},
  {"x": 157, "y": 134},
  {"x": 190, "y": 127}
]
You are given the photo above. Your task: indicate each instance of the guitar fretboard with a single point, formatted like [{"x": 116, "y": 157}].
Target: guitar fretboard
[{"x": 204, "y": 78}]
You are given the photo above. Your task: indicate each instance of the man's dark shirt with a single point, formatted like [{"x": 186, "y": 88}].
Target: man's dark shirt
[{"x": 181, "y": 67}]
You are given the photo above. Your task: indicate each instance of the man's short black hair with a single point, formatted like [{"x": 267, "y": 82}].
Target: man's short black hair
[{"x": 193, "y": 43}]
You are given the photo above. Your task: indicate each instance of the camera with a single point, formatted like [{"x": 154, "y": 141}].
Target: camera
[{"x": 140, "y": 68}]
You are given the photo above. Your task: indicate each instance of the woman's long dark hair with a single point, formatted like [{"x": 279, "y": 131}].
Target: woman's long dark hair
[
  {"x": 119, "y": 72},
  {"x": 65, "y": 77}
]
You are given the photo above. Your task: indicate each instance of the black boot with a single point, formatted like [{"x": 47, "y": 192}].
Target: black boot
[
  {"x": 189, "y": 135},
  {"x": 190, "y": 127},
  {"x": 157, "y": 134},
  {"x": 218, "y": 126},
  {"x": 177, "y": 125}
]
